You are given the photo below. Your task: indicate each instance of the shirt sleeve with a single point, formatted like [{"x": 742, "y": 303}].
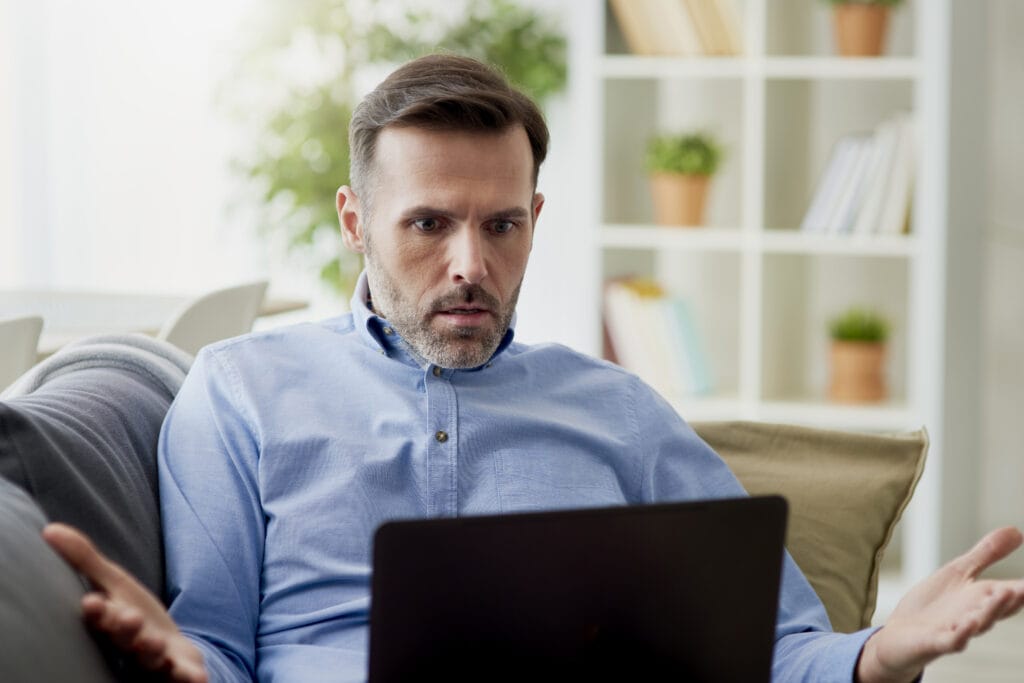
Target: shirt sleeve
[
  {"x": 680, "y": 466},
  {"x": 212, "y": 518}
]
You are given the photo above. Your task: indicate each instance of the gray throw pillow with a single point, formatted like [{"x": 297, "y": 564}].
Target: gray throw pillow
[{"x": 83, "y": 445}]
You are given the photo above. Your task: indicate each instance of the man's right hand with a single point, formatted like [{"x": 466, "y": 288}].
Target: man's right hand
[{"x": 121, "y": 607}]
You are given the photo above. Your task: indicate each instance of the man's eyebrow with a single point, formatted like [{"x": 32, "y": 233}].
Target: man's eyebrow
[
  {"x": 425, "y": 210},
  {"x": 514, "y": 213}
]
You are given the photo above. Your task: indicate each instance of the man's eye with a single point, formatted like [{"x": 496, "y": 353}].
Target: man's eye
[
  {"x": 501, "y": 227},
  {"x": 427, "y": 224}
]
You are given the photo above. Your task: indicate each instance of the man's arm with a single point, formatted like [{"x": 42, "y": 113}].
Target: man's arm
[
  {"x": 212, "y": 515},
  {"x": 942, "y": 613},
  {"x": 130, "y": 615}
]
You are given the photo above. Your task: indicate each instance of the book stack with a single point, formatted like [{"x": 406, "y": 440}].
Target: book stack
[
  {"x": 653, "y": 334},
  {"x": 867, "y": 184},
  {"x": 680, "y": 27}
]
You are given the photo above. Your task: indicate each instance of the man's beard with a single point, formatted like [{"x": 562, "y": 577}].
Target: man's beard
[{"x": 458, "y": 347}]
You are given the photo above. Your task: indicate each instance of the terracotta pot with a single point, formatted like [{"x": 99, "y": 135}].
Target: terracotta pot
[
  {"x": 679, "y": 199},
  {"x": 860, "y": 28},
  {"x": 858, "y": 372}
]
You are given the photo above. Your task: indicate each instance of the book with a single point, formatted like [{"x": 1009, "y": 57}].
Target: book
[
  {"x": 689, "y": 348},
  {"x": 730, "y": 18},
  {"x": 628, "y": 319},
  {"x": 841, "y": 219},
  {"x": 878, "y": 179},
  {"x": 827, "y": 193},
  {"x": 653, "y": 335},
  {"x": 716, "y": 22},
  {"x": 677, "y": 34},
  {"x": 632, "y": 18},
  {"x": 666, "y": 368},
  {"x": 703, "y": 22},
  {"x": 895, "y": 209}
]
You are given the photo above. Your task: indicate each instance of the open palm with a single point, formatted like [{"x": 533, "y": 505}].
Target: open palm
[{"x": 942, "y": 613}]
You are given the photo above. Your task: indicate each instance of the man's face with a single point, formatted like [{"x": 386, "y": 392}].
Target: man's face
[{"x": 449, "y": 237}]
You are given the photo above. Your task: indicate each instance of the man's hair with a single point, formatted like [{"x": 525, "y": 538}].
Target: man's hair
[{"x": 445, "y": 93}]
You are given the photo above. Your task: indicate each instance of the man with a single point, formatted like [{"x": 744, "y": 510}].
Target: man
[{"x": 285, "y": 450}]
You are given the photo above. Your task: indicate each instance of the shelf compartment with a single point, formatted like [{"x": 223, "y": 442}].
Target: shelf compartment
[
  {"x": 708, "y": 284},
  {"x": 800, "y": 294},
  {"x": 804, "y": 120},
  {"x": 640, "y": 109},
  {"x": 805, "y": 28}
]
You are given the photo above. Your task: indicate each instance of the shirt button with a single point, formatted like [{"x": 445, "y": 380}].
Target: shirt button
[
  {"x": 441, "y": 436},
  {"x": 388, "y": 331},
  {"x": 437, "y": 371}
]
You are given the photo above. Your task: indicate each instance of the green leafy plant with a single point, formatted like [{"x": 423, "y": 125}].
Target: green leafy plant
[
  {"x": 858, "y": 324},
  {"x": 299, "y": 153},
  {"x": 689, "y": 153},
  {"x": 887, "y": 3}
]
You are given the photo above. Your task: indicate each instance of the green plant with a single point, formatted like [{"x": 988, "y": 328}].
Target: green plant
[
  {"x": 887, "y": 3},
  {"x": 859, "y": 325},
  {"x": 689, "y": 153},
  {"x": 299, "y": 155}
]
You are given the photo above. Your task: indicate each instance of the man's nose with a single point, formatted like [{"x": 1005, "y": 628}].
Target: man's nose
[{"x": 467, "y": 259}]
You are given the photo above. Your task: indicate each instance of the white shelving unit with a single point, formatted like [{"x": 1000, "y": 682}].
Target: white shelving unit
[{"x": 762, "y": 291}]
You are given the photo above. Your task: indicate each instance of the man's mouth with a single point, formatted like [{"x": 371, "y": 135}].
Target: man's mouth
[{"x": 464, "y": 315}]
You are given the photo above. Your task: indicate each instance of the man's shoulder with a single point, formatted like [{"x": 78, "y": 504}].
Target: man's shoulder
[{"x": 281, "y": 343}]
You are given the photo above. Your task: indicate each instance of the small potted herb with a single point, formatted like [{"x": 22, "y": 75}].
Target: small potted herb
[
  {"x": 858, "y": 356},
  {"x": 861, "y": 25},
  {"x": 680, "y": 167}
]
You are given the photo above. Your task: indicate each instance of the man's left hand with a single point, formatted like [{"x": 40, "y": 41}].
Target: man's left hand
[{"x": 942, "y": 613}]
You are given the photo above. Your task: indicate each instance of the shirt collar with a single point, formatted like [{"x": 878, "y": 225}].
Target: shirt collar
[{"x": 375, "y": 331}]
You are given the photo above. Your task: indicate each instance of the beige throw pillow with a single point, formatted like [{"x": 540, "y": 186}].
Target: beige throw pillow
[{"x": 846, "y": 491}]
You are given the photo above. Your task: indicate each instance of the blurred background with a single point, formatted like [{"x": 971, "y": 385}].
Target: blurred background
[{"x": 171, "y": 149}]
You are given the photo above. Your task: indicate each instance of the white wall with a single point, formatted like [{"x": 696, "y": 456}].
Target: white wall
[
  {"x": 121, "y": 155},
  {"x": 1001, "y": 460},
  {"x": 7, "y": 253}
]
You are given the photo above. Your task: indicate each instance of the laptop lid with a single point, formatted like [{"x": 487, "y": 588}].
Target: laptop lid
[{"x": 682, "y": 591}]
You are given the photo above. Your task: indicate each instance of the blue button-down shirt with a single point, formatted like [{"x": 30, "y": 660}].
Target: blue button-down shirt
[{"x": 285, "y": 450}]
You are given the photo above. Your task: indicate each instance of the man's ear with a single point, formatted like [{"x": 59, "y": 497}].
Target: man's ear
[
  {"x": 350, "y": 220},
  {"x": 538, "y": 204}
]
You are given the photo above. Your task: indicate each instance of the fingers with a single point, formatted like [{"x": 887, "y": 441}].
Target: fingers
[
  {"x": 122, "y": 623},
  {"x": 997, "y": 600},
  {"x": 127, "y": 629},
  {"x": 993, "y": 547},
  {"x": 78, "y": 551}
]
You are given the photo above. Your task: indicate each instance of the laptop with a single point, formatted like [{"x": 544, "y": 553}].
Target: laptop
[{"x": 681, "y": 591}]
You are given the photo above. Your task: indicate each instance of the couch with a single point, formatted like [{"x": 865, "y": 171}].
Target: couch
[{"x": 78, "y": 439}]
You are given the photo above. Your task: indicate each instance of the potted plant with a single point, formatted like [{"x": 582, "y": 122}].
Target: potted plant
[
  {"x": 858, "y": 356},
  {"x": 861, "y": 25},
  {"x": 680, "y": 167}
]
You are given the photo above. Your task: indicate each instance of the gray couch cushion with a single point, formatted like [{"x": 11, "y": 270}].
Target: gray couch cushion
[{"x": 43, "y": 638}]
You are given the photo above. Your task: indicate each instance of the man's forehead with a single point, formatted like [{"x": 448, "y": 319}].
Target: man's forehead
[{"x": 430, "y": 160}]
